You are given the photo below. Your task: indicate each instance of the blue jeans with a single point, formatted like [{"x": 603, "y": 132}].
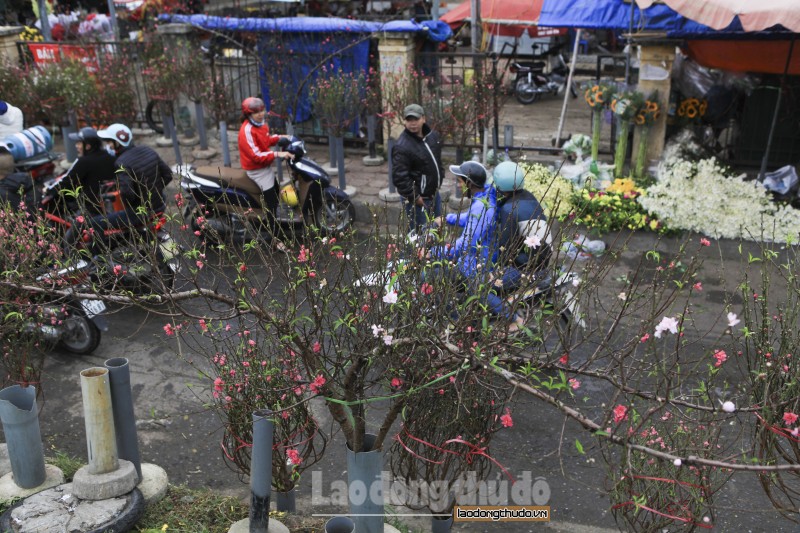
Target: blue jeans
[{"x": 419, "y": 215}]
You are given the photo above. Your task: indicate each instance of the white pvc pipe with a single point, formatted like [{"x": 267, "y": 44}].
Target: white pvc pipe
[
  {"x": 98, "y": 415},
  {"x": 567, "y": 87}
]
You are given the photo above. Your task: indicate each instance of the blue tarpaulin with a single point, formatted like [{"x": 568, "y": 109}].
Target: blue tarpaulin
[
  {"x": 306, "y": 45},
  {"x": 435, "y": 30},
  {"x": 615, "y": 15}
]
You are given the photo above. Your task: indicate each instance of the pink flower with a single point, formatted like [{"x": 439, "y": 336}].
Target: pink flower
[
  {"x": 390, "y": 297},
  {"x": 789, "y": 418},
  {"x": 426, "y": 289},
  {"x": 396, "y": 382},
  {"x": 645, "y": 337},
  {"x": 721, "y": 357},
  {"x": 117, "y": 270},
  {"x": 506, "y": 419},
  {"x": 564, "y": 359},
  {"x": 199, "y": 264},
  {"x": 705, "y": 242},
  {"x": 574, "y": 383},
  {"x": 302, "y": 257},
  {"x": 698, "y": 286},
  {"x": 218, "y": 386},
  {"x": 318, "y": 382},
  {"x": 203, "y": 325},
  {"x": 79, "y": 219},
  {"x": 317, "y": 347},
  {"x": 169, "y": 330},
  {"x": 293, "y": 456},
  {"x": 620, "y": 413}
]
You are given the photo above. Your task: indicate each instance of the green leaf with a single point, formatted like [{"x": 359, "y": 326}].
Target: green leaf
[{"x": 579, "y": 447}]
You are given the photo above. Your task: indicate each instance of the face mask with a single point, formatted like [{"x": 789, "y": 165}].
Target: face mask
[
  {"x": 254, "y": 122},
  {"x": 110, "y": 150}
]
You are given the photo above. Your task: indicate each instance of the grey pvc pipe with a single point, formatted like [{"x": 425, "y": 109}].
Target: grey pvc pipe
[
  {"x": 392, "y": 188},
  {"x": 363, "y": 471},
  {"x": 223, "y": 137},
  {"x": 340, "y": 162},
  {"x": 439, "y": 525},
  {"x": 201, "y": 124},
  {"x": 371, "y": 126},
  {"x": 261, "y": 471},
  {"x": 173, "y": 133},
  {"x": 340, "y": 524},
  {"x": 122, "y": 407},
  {"x": 20, "y": 416},
  {"x": 332, "y": 145},
  {"x": 98, "y": 415}
]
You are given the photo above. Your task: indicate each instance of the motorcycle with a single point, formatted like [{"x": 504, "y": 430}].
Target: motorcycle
[
  {"x": 224, "y": 203},
  {"x": 551, "y": 294},
  {"x": 531, "y": 81},
  {"x": 142, "y": 258},
  {"x": 70, "y": 323}
]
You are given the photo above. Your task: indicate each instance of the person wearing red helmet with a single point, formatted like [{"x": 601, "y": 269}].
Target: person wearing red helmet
[{"x": 256, "y": 158}]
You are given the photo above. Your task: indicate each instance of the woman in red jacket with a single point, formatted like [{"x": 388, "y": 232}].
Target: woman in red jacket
[{"x": 256, "y": 159}]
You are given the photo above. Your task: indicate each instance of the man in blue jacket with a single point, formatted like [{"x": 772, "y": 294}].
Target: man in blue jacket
[{"x": 474, "y": 248}]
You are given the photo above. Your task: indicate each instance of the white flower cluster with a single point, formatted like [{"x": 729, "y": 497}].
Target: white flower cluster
[{"x": 699, "y": 197}]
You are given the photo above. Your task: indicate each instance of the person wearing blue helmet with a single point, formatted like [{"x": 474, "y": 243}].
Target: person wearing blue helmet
[{"x": 523, "y": 237}]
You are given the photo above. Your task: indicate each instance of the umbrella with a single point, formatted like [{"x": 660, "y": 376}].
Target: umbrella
[
  {"x": 504, "y": 17},
  {"x": 754, "y": 15}
]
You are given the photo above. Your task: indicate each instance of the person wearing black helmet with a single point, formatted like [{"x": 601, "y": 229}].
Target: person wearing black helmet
[
  {"x": 91, "y": 168},
  {"x": 474, "y": 247},
  {"x": 417, "y": 167}
]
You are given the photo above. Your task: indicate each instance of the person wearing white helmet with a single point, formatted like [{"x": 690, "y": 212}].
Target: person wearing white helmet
[
  {"x": 11, "y": 119},
  {"x": 523, "y": 237}
]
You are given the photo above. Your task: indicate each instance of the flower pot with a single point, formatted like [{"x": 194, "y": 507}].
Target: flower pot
[
  {"x": 365, "y": 497},
  {"x": 20, "y": 417},
  {"x": 340, "y": 524},
  {"x": 285, "y": 501}
]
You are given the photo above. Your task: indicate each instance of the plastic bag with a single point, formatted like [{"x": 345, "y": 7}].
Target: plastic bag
[{"x": 782, "y": 180}]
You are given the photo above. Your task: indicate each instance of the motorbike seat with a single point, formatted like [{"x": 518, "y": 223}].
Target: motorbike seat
[
  {"x": 536, "y": 66},
  {"x": 230, "y": 177}
]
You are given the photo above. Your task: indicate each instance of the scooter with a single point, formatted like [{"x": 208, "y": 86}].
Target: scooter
[
  {"x": 552, "y": 293},
  {"x": 143, "y": 258},
  {"x": 223, "y": 203},
  {"x": 531, "y": 82},
  {"x": 70, "y": 323}
]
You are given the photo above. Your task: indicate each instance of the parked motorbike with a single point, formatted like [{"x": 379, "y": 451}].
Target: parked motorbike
[
  {"x": 531, "y": 80},
  {"x": 69, "y": 323},
  {"x": 225, "y": 204}
]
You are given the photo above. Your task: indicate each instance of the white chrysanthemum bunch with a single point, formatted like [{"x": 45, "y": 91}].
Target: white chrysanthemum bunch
[{"x": 699, "y": 197}]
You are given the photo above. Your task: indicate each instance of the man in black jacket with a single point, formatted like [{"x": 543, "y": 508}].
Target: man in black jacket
[
  {"x": 417, "y": 167},
  {"x": 93, "y": 167},
  {"x": 141, "y": 176}
]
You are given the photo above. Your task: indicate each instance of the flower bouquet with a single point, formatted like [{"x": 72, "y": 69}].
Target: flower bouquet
[
  {"x": 691, "y": 110},
  {"x": 598, "y": 97},
  {"x": 625, "y": 106},
  {"x": 648, "y": 114}
]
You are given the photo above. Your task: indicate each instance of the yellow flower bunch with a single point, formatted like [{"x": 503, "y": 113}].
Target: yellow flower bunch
[
  {"x": 648, "y": 113},
  {"x": 31, "y": 34},
  {"x": 599, "y": 96},
  {"x": 692, "y": 108},
  {"x": 622, "y": 186}
]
